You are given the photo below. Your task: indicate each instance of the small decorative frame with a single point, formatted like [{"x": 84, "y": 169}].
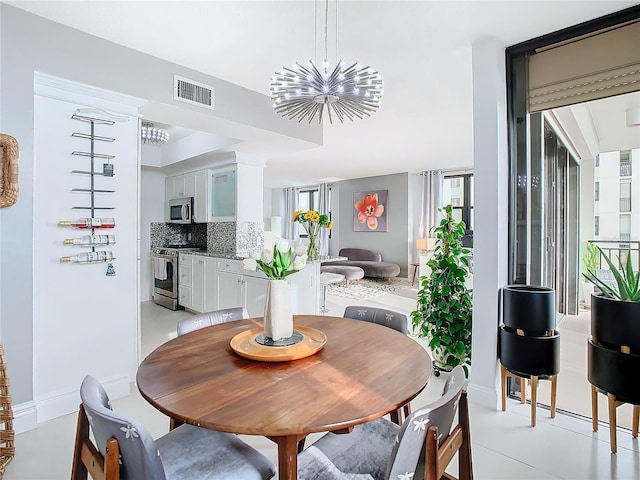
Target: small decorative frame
[
  {"x": 8, "y": 170},
  {"x": 370, "y": 211}
]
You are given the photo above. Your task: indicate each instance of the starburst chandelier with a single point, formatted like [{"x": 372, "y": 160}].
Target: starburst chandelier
[{"x": 302, "y": 92}]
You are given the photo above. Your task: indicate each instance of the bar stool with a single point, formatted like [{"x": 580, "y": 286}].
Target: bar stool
[{"x": 325, "y": 279}]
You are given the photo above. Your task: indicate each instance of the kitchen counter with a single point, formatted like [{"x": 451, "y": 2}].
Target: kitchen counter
[{"x": 233, "y": 256}]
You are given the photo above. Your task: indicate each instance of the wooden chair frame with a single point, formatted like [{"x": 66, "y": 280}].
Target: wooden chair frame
[
  {"x": 459, "y": 441},
  {"x": 88, "y": 460}
]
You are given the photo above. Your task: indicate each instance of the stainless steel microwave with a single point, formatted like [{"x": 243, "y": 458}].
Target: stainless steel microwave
[{"x": 181, "y": 210}]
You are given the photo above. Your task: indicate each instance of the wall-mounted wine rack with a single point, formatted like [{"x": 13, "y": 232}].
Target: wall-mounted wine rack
[{"x": 92, "y": 222}]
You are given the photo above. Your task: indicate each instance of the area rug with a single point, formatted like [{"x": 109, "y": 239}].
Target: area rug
[{"x": 371, "y": 288}]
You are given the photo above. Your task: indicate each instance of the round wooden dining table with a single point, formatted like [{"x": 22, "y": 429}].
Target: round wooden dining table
[{"x": 363, "y": 372}]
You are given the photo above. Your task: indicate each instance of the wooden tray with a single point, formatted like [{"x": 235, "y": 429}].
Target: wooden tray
[{"x": 245, "y": 345}]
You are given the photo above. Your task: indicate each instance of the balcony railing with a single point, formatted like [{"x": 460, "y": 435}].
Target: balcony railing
[
  {"x": 625, "y": 204},
  {"x": 619, "y": 249}
]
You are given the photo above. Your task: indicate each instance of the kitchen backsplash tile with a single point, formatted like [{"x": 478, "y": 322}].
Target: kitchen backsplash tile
[
  {"x": 163, "y": 234},
  {"x": 237, "y": 238}
]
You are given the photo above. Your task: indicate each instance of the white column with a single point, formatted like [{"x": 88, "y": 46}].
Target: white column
[{"x": 491, "y": 213}]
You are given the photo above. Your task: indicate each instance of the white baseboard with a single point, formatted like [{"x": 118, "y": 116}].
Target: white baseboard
[
  {"x": 25, "y": 417},
  {"x": 64, "y": 402},
  {"x": 486, "y": 397}
]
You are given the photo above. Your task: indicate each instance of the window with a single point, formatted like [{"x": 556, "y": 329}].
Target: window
[
  {"x": 309, "y": 199},
  {"x": 457, "y": 191},
  {"x": 625, "y": 164},
  {"x": 597, "y": 160},
  {"x": 596, "y": 193},
  {"x": 596, "y": 226},
  {"x": 625, "y": 228},
  {"x": 625, "y": 196}
]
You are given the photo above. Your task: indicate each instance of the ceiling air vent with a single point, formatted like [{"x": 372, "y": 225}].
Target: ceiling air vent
[{"x": 188, "y": 91}]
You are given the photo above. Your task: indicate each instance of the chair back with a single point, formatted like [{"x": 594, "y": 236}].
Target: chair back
[
  {"x": 211, "y": 318},
  {"x": 406, "y": 456},
  {"x": 140, "y": 457},
  {"x": 381, "y": 316}
]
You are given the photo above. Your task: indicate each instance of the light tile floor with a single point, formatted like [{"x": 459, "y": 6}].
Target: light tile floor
[{"x": 504, "y": 445}]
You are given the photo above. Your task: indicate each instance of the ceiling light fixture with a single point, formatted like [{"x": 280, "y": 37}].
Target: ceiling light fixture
[
  {"x": 152, "y": 135},
  {"x": 302, "y": 92}
]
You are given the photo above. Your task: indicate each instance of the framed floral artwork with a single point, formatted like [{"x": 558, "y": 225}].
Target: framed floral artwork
[{"x": 370, "y": 211}]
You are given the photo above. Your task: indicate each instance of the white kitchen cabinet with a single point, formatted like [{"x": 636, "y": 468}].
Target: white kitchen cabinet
[
  {"x": 174, "y": 187},
  {"x": 196, "y": 282},
  {"x": 200, "y": 196},
  {"x": 236, "y": 193},
  {"x": 229, "y": 291},
  {"x": 195, "y": 185},
  {"x": 212, "y": 283},
  {"x": 223, "y": 195},
  {"x": 239, "y": 288},
  {"x": 185, "y": 280},
  {"x": 255, "y": 294}
]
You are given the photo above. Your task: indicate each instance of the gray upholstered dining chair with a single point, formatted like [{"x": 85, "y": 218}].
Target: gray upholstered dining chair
[
  {"x": 124, "y": 449},
  {"x": 211, "y": 318},
  {"x": 381, "y": 316},
  {"x": 388, "y": 318},
  {"x": 381, "y": 450}
]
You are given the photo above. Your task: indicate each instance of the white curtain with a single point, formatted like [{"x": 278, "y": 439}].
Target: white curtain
[
  {"x": 289, "y": 230},
  {"x": 323, "y": 209},
  {"x": 431, "y": 200}
]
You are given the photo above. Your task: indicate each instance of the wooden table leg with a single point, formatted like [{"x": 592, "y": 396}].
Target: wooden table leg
[{"x": 287, "y": 457}]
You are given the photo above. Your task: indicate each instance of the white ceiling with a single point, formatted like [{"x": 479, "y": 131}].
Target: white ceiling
[{"x": 421, "y": 48}]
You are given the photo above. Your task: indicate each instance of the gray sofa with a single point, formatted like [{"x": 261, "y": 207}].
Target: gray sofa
[{"x": 369, "y": 261}]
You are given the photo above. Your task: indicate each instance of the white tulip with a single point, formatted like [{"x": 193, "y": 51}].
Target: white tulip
[
  {"x": 300, "y": 262},
  {"x": 249, "y": 264},
  {"x": 267, "y": 256},
  {"x": 282, "y": 246},
  {"x": 300, "y": 249},
  {"x": 255, "y": 255}
]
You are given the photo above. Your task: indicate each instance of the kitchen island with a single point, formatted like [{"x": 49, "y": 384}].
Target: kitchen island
[{"x": 212, "y": 281}]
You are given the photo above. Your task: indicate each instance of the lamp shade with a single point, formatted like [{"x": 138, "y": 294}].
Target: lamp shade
[{"x": 421, "y": 243}]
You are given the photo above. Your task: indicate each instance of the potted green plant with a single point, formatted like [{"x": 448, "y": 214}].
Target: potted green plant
[
  {"x": 615, "y": 310},
  {"x": 590, "y": 262},
  {"x": 613, "y": 351},
  {"x": 444, "y": 308}
]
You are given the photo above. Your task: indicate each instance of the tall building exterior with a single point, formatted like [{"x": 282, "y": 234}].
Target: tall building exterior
[{"x": 617, "y": 196}]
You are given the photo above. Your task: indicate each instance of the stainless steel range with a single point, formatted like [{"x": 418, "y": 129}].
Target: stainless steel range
[{"x": 164, "y": 268}]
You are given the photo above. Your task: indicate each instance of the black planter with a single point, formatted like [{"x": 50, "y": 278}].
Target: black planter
[
  {"x": 529, "y": 308},
  {"x": 529, "y": 344},
  {"x": 615, "y": 323},
  {"x": 613, "y": 357},
  {"x": 614, "y": 372}
]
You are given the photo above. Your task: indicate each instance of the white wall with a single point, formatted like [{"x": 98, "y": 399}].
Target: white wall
[
  {"x": 152, "y": 201},
  {"x": 392, "y": 244},
  {"x": 78, "y": 311},
  {"x": 490, "y": 208}
]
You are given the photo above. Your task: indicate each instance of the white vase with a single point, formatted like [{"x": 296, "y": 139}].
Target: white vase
[{"x": 278, "y": 319}]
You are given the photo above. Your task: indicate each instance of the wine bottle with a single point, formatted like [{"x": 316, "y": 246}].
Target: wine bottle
[
  {"x": 89, "y": 257},
  {"x": 91, "y": 240},
  {"x": 89, "y": 223}
]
